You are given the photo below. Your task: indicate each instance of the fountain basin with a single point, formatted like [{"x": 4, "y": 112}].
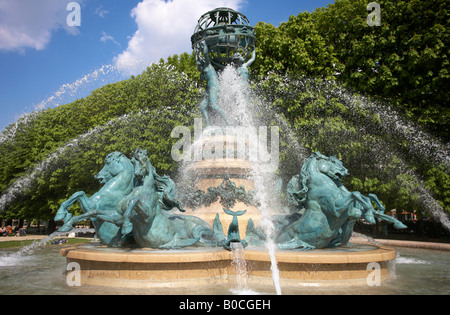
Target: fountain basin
[{"x": 149, "y": 268}]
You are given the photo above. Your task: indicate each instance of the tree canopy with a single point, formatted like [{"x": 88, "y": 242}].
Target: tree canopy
[
  {"x": 404, "y": 60},
  {"x": 376, "y": 97},
  {"x": 56, "y": 152}
]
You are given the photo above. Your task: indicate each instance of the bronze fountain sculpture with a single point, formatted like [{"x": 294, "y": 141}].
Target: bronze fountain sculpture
[{"x": 138, "y": 208}]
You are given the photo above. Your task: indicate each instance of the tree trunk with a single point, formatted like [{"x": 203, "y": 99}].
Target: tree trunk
[{"x": 51, "y": 227}]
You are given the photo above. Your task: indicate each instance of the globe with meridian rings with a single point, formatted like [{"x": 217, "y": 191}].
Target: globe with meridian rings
[{"x": 226, "y": 32}]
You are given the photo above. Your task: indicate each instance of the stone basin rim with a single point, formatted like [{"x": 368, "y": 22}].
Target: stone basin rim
[{"x": 96, "y": 252}]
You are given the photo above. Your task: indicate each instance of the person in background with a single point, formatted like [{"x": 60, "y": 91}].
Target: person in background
[{"x": 21, "y": 232}]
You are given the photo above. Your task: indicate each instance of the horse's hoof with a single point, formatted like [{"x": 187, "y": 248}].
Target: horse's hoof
[
  {"x": 60, "y": 216},
  {"x": 399, "y": 225},
  {"x": 356, "y": 213},
  {"x": 305, "y": 248},
  {"x": 127, "y": 228},
  {"x": 370, "y": 218},
  {"x": 67, "y": 217}
]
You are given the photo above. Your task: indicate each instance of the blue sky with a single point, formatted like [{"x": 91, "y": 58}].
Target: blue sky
[{"x": 45, "y": 63}]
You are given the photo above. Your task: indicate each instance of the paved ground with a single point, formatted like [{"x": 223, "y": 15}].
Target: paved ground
[{"x": 402, "y": 243}]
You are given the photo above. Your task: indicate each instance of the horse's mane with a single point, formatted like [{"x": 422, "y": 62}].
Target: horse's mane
[
  {"x": 162, "y": 182},
  {"x": 114, "y": 156},
  {"x": 304, "y": 177},
  {"x": 165, "y": 186},
  {"x": 167, "y": 192},
  {"x": 122, "y": 159}
]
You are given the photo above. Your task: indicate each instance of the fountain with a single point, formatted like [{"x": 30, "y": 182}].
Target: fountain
[{"x": 152, "y": 238}]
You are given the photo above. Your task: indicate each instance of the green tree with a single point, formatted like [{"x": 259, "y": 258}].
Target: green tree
[
  {"x": 324, "y": 116},
  {"x": 306, "y": 72},
  {"x": 295, "y": 47},
  {"x": 405, "y": 60},
  {"x": 56, "y": 152}
]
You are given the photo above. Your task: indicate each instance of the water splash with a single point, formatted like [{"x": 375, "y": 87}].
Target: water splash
[
  {"x": 418, "y": 142},
  {"x": 66, "y": 93},
  {"x": 10, "y": 132},
  {"x": 368, "y": 239},
  {"x": 25, "y": 253},
  {"x": 97, "y": 78},
  {"x": 411, "y": 261},
  {"x": 25, "y": 183},
  {"x": 386, "y": 133},
  {"x": 369, "y": 116}
]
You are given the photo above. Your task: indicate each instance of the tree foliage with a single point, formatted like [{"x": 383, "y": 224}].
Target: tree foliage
[
  {"x": 56, "y": 152},
  {"x": 402, "y": 66},
  {"x": 385, "y": 152},
  {"x": 294, "y": 48},
  {"x": 405, "y": 60}
]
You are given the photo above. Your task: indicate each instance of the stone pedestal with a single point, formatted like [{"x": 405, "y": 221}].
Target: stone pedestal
[
  {"x": 224, "y": 164},
  {"x": 150, "y": 268}
]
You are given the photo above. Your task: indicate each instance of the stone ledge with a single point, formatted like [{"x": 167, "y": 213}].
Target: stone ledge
[{"x": 149, "y": 268}]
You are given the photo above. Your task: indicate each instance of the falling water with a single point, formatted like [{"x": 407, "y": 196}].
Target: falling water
[
  {"x": 366, "y": 238},
  {"x": 97, "y": 78},
  {"x": 236, "y": 99},
  {"x": 391, "y": 133},
  {"x": 359, "y": 110},
  {"x": 240, "y": 267}
]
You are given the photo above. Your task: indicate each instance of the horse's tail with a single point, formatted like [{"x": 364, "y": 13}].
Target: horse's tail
[{"x": 205, "y": 236}]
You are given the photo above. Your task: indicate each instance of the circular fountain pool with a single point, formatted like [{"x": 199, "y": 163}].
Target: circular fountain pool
[
  {"x": 415, "y": 271},
  {"x": 148, "y": 268}
]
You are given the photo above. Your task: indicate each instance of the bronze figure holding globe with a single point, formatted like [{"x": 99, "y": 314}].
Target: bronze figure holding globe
[{"x": 222, "y": 37}]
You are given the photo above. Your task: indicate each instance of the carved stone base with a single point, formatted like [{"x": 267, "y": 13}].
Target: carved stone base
[
  {"x": 149, "y": 268},
  {"x": 208, "y": 213},
  {"x": 213, "y": 175}
]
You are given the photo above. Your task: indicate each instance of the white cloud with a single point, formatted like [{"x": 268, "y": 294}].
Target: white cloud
[
  {"x": 30, "y": 23},
  {"x": 101, "y": 12},
  {"x": 106, "y": 37},
  {"x": 164, "y": 29}
]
